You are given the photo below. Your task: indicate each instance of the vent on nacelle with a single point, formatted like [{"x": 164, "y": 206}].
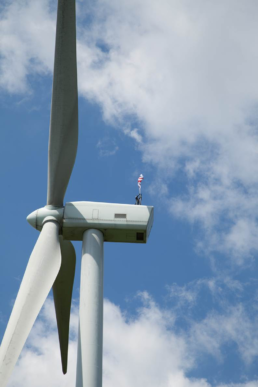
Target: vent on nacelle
[
  {"x": 139, "y": 236},
  {"x": 120, "y": 216}
]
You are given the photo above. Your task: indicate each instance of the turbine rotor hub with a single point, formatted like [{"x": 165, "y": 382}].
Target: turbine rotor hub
[{"x": 37, "y": 218}]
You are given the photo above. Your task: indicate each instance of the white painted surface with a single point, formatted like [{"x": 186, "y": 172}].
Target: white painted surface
[
  {"x": 107, "y": 211},
  {"x": 63, "y": 131},
  {"x": 79, "y": 382},
  {"x": 117, "y": 222},
  {"x": 40, "y": 274},
  {"x": 36, "y": 218},
  {"x": 90, "y": 335}
]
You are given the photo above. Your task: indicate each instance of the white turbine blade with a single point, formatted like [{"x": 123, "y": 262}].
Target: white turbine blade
[
  {"x": 63, "y": 134},
  {"x": 40, "y": 274},
  {"x": 62, "y": 290}
]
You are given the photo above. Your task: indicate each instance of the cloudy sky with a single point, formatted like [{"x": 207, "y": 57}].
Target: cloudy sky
[{"x": 169, "y": 89}]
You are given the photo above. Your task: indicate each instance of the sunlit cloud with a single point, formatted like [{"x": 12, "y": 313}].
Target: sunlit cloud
[{"x": 141, "y": 349}]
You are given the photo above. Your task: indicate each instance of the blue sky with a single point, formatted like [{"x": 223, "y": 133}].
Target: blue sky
[{"x": 166, "y": 89}]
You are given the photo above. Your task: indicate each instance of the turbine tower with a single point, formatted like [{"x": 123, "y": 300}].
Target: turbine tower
[{"x": 52, "y": 262}]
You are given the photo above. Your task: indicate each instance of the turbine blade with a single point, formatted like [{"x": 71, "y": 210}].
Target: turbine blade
[
  {"x": 63, "y": 133},
  {"x": 40, "y": 274},
  {"x": 62, "y": 290}
]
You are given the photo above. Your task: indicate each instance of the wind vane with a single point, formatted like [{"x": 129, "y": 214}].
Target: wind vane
[
  {"x": 138, "y": 198},
  {"x": 140, "y": 179}
]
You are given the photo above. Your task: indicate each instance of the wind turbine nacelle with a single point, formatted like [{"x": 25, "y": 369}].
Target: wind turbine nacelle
[{"x": 117, "y": 222}]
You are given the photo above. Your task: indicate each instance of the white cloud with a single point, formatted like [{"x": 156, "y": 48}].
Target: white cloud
[
  {"x": 107, "y": 147},
  {"x": 250, "y": 384},
  {"x": 218, "y": 290},
  {"x": 144, "y": 349},
  {"x": 134, "y": 134},
  {"x": 234, "y": 326},
  {"x": 27, "y": 30},
  {"x": 221, "y": 323},
  {"x": 185, "y": 73},
  {"x": 184, "y": 294}
]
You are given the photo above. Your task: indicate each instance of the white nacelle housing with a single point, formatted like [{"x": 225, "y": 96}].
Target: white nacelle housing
[{"x": 118, "y": 222}]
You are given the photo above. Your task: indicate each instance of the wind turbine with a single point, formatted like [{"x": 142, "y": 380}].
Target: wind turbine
[{"x": 52, "y": 262}]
